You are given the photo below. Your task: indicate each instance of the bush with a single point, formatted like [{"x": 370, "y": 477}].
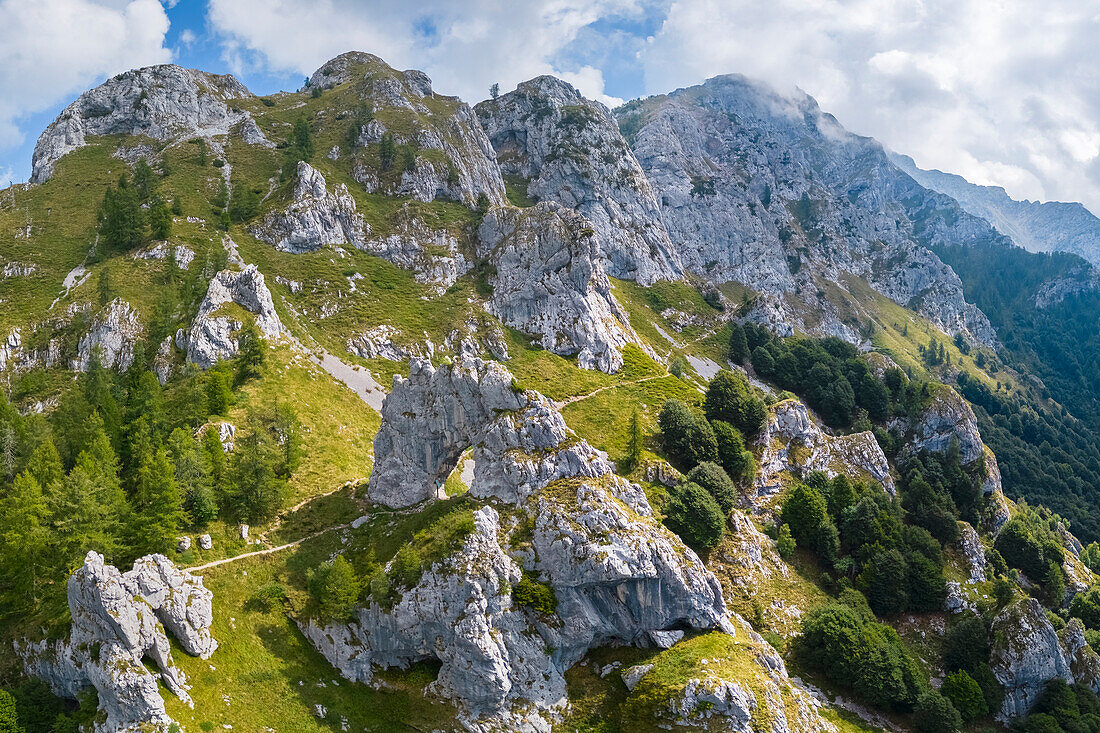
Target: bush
[
  {"x": 533, "y": 594},
  {"x": 805, "y": 512},
  {"x": 714, "y": 479},
  {"x": 1086, "y": 606},
  {"x": 730, "y": 398},
  {"x": 686, "y": 436},
  {"x": 966, "y": 645},
  {"x": 9, "y": 721},
  {"x": 271, "y": 596},
  {"x": 695, "y": 516},
  {"x": 934, "y": 713},
  {"x": 336, "y": 588},
  {"x": 965, "y": 694},
  {"x": 785, "y": 542},
  {"x": 732, "y": 453}
]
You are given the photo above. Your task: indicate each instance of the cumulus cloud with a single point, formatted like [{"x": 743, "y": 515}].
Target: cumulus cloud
[
  {"x": 464, "y": 47},
  {"x": 1002, "y": 93},
  {"x": 53, "y": 49}
]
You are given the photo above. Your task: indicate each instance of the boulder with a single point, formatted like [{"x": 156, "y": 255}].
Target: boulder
[
  {"x": 568, "y": 149},
  {"x": 164, "y": 102},
  {"x": 205, "y": 542},
  {"x": 119, "y": 620},
  {"x": 970, "y": 549},
  {"x": 548, "y": 281},
  {"x": 314, "y": 217}
]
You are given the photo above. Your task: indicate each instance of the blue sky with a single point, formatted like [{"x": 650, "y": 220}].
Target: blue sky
[{"x": 1002, "y": 93}]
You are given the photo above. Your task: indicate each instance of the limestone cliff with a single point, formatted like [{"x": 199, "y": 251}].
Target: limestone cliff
[{"x": 566, "y": 148}]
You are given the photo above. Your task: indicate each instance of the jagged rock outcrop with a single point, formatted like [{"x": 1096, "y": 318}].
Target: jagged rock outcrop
[
  {"x": 970, "y": 549},
  {"x": 430, "y": 418},
  {"x": 793, "y": 445},
  {"x": 119, "y": 620},
  {"x": 558, "y": 514},
  {"x": 548, "y": 281},
  {"x": 211, "y": 337},
  {"x": 314, "y": 218},
  {"x": 947, "y": 419},
  {"x": 568, "y": 149},
  {"x": 1027, "y": 653},
  {"x": 112, "y": 337},
  {"x": 771, "y": 192},
  {"x": 162, "y": 102},
  {"x": 454, "y": 158}
]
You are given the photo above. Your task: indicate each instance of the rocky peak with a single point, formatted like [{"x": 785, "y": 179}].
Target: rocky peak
[
  {"x": 118, "y": 621},
  {"x": 211, "y": 336},
  {"x": 549, "y": 281},
  {"x": 314, "y": 218},
  {"x": 568, "y": 149},
  {"x": 769, "y": 191},
  {"x": 356, "y": 65},
  {"x": 162, "y": 102}
]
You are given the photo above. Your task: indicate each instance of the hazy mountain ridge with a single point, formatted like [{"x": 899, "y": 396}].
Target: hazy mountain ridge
[{"x": 1050, "y": 226}]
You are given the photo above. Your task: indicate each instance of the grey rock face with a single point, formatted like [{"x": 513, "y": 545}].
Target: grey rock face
[
  {"x": 771, "y": 192},
  {"x": 970, "y": 547},
  {"x": 568, "y": 149},
  {"x": 1028, "y": 652},
  {"x": 211, "y": 337},
  {"x": 163, "y": 102},
  {"x": 119, "y": 619},
  {"x": 112, "y": 338},
  {"x": 949, "y": 418},
  {"x": 448, "y": 127},
  {"x": 617, "y": 575},
  {"x": 793, "y": 443},
  {"x": 433, "y": 416},
  {"x": 314, "y": 218},
  {"x": 549, "y": 281}
]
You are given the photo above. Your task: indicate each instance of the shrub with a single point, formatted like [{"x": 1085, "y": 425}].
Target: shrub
[
  {"x": 966, "y": 645},
  {"x": 805, "y": 512},
  {"x": 686, "y": 436},
  {"x": 935, "y": 714},
  {"x": 336, "y": 588},
  {"x": 533, "y": 594},
  {"x": 1086, "y": 606},
  {"x": 785, "y": 542},
  {"x": 714, "y": 479},
  {"x": 695, "y": 516},
  {"x": 732, "y": 453},
  {"x": 270, "y": 596},
  {"x": 730, "y": 398},
  {"x": 965, "y": 694}
]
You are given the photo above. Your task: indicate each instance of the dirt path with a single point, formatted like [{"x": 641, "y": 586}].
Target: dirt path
[
  {"x": 267, "y": 551},
  {"x": 578, "y": 398}
]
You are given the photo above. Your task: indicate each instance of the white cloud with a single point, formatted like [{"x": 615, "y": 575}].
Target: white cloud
[
  {"x": 464, "y": 47},
  {"x": 53, "y": 49},
  {"x": 187, "y": 37},
  {"x": 1003, "y": 93}
]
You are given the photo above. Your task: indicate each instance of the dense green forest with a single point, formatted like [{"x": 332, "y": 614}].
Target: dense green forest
[{"x": 1048, "y": 454}]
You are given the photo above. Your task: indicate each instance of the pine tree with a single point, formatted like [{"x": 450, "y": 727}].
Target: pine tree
[
  {"x": 160, "y": 219},
  {"x": 193, "y": 477},
  {"x": 144, "y": 180},
  {"x": 9, "y": 721},
  {"x": 122, "y": 224},
  {"x": 257, "y": 492},
  {"x": 45, "y": 464},
  {"x": 251, "y": 355},
  {"x": 218, "y": 394},
  {"x": 79, "y": 518},
  {"x": 24, "y": 545},
  {"x": 9, "y": 444},
  {"x": 494, "y": 90},
  {"x": 409, "y": 159},
  {"x": 301, "y": 140},
  {"x": 177, "y": 207},
  {"x": 219, "y": 464},
  {"x": 739, "y": 345},
  {"x": 387, "y": 151}
]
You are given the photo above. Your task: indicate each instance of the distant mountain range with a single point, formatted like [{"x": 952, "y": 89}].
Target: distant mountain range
[{"x": 1053, "y": 226}]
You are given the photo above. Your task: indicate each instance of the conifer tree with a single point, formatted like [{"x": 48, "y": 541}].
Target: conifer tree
[{"x": 24, "y": 545}]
